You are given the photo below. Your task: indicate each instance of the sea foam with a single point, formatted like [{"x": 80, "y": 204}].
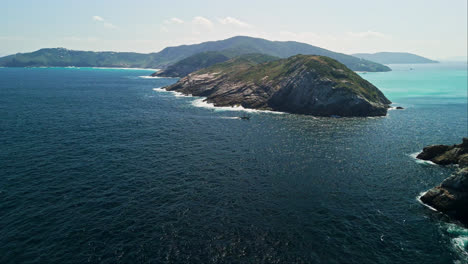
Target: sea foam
[
  {"x": 176, "y": 94},
  {"x": 204, "y": 104},
  {"x": 150, "y": 77},
  {"x": 458, "y": 234},
  {"x": 421, "y": 202},
  {"x": 201, "y": 102},
  {"x": 420, "y": 161},
  {"x": 459, "y": 239}
]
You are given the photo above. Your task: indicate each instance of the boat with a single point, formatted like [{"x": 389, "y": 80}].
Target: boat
[{"x": 244, "y": 117}]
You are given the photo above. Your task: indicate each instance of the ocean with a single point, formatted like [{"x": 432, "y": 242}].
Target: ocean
[{"x": 101, "y": 166}]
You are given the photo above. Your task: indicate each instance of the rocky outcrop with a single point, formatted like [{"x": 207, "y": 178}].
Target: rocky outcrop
[
  {"x": 302, "y": 84},
  {"x": 451, "y": 196},
  {"x": 444, "y": 154}
]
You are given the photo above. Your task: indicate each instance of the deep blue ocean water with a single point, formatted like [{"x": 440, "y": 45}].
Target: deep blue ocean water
[{"x": 98, "y": 167}]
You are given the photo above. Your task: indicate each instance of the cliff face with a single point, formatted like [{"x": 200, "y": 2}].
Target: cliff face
[
  {"x": 302, "y": 84},
  {"x": 451, "y": 196}
]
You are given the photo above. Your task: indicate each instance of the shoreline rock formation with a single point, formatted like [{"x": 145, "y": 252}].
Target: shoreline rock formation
[
  {"x": 451, "y": 196},
  {"x": 301, "y": 84}
]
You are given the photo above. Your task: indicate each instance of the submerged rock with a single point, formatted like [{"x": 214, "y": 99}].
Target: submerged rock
[{"x": 451, "y": 196}]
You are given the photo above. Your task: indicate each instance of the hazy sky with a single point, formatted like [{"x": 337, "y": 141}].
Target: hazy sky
[{"x": 432, "y": 28}]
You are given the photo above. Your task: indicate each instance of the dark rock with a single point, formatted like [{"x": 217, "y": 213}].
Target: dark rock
[
  {"x": 451, "y": 196},
  {"x": 399, "y": 108},
  {"x": 463, "y": 161},
  {"x": 433, "y": 151},
  {"x": 444, "y": 154}
]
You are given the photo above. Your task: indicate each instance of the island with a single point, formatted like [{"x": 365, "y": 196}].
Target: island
[
  {"x": 394, "y": 58},
  {"x": 451, "y": 196},
  {"x": 301, "y": 84}
]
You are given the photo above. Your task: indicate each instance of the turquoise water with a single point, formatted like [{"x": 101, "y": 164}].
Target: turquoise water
[
  {"x": 443, "y": 83},
  {"x": 99, "y": 166}
]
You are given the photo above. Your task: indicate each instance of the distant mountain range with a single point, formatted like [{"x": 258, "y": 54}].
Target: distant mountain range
[
  {"x": 230, "y": 47},
  {"x": 394, "y": 58}
]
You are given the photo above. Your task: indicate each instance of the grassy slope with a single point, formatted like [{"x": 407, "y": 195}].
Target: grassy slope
[
  {"x": 254, "y": 68},
  {"x": 193, "y": 63}
]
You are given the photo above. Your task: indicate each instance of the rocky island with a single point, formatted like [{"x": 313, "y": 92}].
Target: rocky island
[
  {"x": 302, "y": 84},
  {"x": 451, "y": 196}
]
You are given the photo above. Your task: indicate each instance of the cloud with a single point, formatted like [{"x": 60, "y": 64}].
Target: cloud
[
  {"x": 173, "y": 20},
  {"x": 98, "y": 18},
  {"x": 204, "y": 22},
  {"x": 233, "y": 21},
  {"x": 105, "y": 23},
  {"x": 367, "y": 34}
]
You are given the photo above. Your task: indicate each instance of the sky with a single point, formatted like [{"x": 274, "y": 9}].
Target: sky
[{"x": 435, "y": 29}]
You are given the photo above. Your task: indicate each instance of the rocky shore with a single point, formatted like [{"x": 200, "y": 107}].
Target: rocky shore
[{"x": 451, "y": 196}]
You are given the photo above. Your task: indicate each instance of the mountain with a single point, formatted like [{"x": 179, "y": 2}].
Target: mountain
[
  {"x": 231, "y": 47},
  {"x": 192, "y": 63},
  {"x": 303, "y": 84},
  {"x": 394, "y": 58},
  {"x": 63, "y": 57},
  {"x": 203, "y": 60},
  {"x": 283, "y": 49}
]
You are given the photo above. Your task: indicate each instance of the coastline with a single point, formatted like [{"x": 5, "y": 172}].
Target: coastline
[{"x": 78, "y": 67}]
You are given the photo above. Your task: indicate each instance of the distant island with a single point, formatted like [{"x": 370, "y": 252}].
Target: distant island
[
  {"x": 303, "y": 84},
  {"x": 394, "y": 58},
  {"x": 230, "y": 48}
]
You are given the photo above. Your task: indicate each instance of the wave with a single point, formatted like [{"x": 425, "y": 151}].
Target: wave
[
  {"x": 421, "y": 202},
  {"x": 231, "y": 117},
  {"x": 201, "y": 102},
  {"x": 459, "y": 239},
  {"x": 204, "y": 104},
  {"x": 420, "y": 161},
  {"x": 176, "y": 94},
  {"x": 150, "y": 77},
  {"x": 458, "y": 234}
]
